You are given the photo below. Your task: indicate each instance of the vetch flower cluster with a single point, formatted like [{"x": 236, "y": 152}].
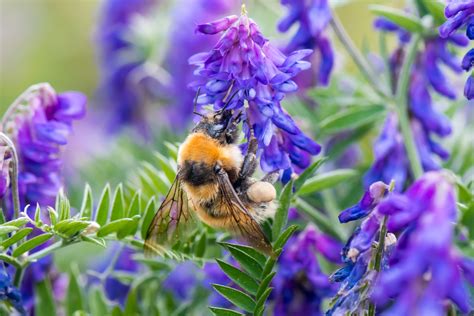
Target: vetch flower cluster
[
  {"x": 425, "y": 268},
  {"x": 39, "y": 124},
  {"x": 460, "y": 14},
  {"x": 300, "y": 285},
  {"x": 391, "y": 161},
  {"x": 313, "y": 18},
  {"x": 358, "y": 273},
  {"x": 119, "y": 60},
  {"x": 9, "y": 293},
  {"x": 244, "y": 64}
]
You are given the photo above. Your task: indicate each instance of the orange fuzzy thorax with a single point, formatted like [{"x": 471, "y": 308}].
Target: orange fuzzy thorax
[{"x": 200, "y": 147}]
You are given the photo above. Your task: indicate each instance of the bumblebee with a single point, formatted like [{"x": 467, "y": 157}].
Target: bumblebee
[{"x": 214, "y": 181}]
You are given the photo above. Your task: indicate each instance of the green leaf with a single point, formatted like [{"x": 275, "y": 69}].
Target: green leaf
[
  {"x": 436, "y": 9},
  {"x": 53, "y": 215},
  {"x": 264, "y": 284},
  {"x": 103, "y": 207},
  {"x": 116, "y": 311},
  {"x": 236, "y": 297},
  {"x": 117, "y": 204},
  {"x": 267, "y": 269},
  {"x": 114, "y": 227},
  {"x": 201, "y": 246},
  {"x": 5, "y": 229},
  {"x": 403, "y": 19},
  {"x": 20, "y": 221},
  {"x": 98, "y": 241},
  {"x": 219, "y": 311},
  {"x": 261, "y": 301},
  {"x": 150, "y": 211},
  {"x": 135, "y": 205},
  {"x": 131, "y": 305},
  {"x": 156, "y": 179},
  {"x": 38, "y": 214},
  {"x": 129, "y": 229},
  {"x": 168, "y": 166},
  {"x": 44, "y": 301},
  {"x": 63, "y": 207},
  {"x": 71, "y": 227},
  {"x": 351, "y": 118},
  {"x": 298, "y": 183},
  {"x": 97, "y": 302},
  {"x": 241, "y": 278},
  {"x": 172, "y": 150},
  {"x": 87, "y": 203},
  {"x": 31, "y": 243},
  {"x": 19, "y": 235},
  {"x": 252, "y": 252},
  {"x": 283, "y": 238},
  {"x": 327, "y": 180},
  {"x": 74, "y": 295},
  {"x": 247, "y": 262},
  {"x": 281, "y": 216}
]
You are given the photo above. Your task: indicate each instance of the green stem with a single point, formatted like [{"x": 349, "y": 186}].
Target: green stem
[
  {"x": 18, "y": 276},
  {"x": 10, "y": 260},
  {"x": 356, "y": 55},
  {"x": 46, "y": 251},
  {"x": 402, "y": 100},
  {"x": 13, "y": 175}
]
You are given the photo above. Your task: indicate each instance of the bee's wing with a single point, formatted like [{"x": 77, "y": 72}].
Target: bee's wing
[
  {"x": 170, "y": 220},
  {"x": 241, "y": 221}
]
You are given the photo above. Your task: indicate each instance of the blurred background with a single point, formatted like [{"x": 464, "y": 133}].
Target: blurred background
[{"x": 54, "y": 40}]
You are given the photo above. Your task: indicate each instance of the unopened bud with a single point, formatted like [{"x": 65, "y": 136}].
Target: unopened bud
[{"x": 91, "y": 229}]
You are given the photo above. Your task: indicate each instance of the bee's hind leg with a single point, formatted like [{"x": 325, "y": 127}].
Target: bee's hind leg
[{"x": 250, "y": 160}]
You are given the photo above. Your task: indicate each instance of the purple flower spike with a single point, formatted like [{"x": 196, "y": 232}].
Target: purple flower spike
[
  {"x": 40, "y": 128},
  {"x": 300, "y": 285},
  {"x": 425, "y": 269},
  {"x": 370, "y": 199},
  {"x": 313, "y": 17},
  {"x": 244, "y": 64}
]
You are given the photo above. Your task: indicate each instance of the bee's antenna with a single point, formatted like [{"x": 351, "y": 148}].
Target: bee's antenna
[{"x": 195, "y": 103}]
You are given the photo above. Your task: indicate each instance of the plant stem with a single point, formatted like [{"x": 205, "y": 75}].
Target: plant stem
[
  {"x": 46, "y": 251},
  {"x": 402, "y": 100},
  {"x": 18, "y": 276},
  {"x": 356, "y": 55},
  {"x": 13, "y": 175}
]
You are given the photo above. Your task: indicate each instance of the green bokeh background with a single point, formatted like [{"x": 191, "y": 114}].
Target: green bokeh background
[{"x": 53, "y": 40}]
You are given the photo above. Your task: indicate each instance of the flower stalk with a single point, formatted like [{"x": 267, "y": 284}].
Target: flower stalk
[
  {"x": 13, "y": 174},
  {"x": 402, "y": 100}
]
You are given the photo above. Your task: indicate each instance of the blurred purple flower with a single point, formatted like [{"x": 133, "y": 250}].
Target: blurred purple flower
[
  {"x": 39, "y": 124},
  {"x": 115, "y": 290},
  {"x": 119, "y": 58},
  {"x": 313, "y": 17},
  {"x": 383, "y": 24},
  {"x": 182, "y": 280},
  {"x": 186, "y": 15},
  {"x": 9, "y": 293},
  {"x": 425, "y": 269},
  {"x": 460, "y": 14},
  {"x": 243, "y": 63},
  {"x": 300, "y": 285}
]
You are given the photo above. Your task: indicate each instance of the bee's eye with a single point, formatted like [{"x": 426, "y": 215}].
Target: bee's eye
[{"x": 217, "y": 168}]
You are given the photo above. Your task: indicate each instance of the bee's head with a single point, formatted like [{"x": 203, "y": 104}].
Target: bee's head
[{"x": 221, "y": 126}]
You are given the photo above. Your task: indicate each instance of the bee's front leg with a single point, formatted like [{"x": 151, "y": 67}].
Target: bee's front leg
[{"x": 250, "y": 160}]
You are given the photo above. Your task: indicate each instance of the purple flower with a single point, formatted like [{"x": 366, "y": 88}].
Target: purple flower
[
  {"x": 383, "y": 24},
  {"x": 120, "y": 59},
  {"x": 245, "y": 65},
  {"x": 4, "y": 169},
  {"x": 182, "y": 280},
  {"x": 300, "y": 285},
  {"x": 187, "y": 14},
  {"x": 9, "y": 293},
  {"x": 370, "y": 199},
  {"x": 313, "y": 17},
  {"x": 425, "y": 269},
  {"x": 39, "y": 127},
  {"x": 459, "y": 14},
  {"x": 115, "y": 290}
]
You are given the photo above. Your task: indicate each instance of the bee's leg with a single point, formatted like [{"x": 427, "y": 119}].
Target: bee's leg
[
  {"x": 271, "y": 177},
  {"x": 250, "y": 160}
]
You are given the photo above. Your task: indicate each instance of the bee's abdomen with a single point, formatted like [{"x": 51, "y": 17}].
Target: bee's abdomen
[{"x": 197, "y": 173}]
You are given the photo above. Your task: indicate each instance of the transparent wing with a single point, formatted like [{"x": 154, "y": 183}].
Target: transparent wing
[
  {"x": 240, "y": 220},
  {"x": 170, "y": 221}
]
